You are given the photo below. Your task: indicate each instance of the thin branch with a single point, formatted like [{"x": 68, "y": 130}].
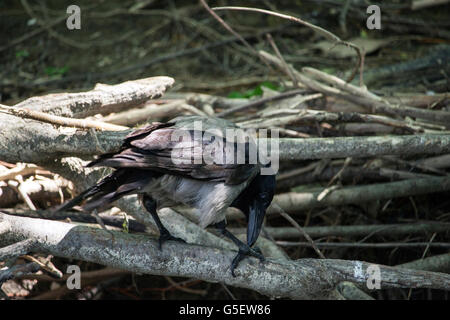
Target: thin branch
[
  {"x": 278, "y": 53},
  {"x": 300, "y": 229},
  {"x": 419, "y": 228},
  {"x": 327, "y": 34},
  {"x": 46, "y": 265},
  {"x": 333, "y": 245},
  {"x": 260, "y": 102},
  {"x": 237, "y": 35},
  {"x": 62, "y": 121}
]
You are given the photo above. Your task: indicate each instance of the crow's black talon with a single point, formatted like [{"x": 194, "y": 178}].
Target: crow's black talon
[
  {"x": 258, "y": 250},
  {"x": 245, "y": 251},
  {"x": 166, "y": 236},
  {"x": 240, "y": 255}
]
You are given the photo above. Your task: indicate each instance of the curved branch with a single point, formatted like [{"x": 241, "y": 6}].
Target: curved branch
[{"x": 301, "y": 279}]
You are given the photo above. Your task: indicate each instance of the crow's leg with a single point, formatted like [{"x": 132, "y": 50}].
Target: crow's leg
[
  {"x": 164, "y": 234},
  {"x": 100, "y": 222},
  {"x": 244, "y": 249}
]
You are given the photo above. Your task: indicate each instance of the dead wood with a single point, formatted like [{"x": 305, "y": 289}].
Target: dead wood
[{"x": 308, "y": 278}]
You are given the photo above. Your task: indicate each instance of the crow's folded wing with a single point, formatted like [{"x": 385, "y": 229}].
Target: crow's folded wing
[{"x": 195, "y": 154}]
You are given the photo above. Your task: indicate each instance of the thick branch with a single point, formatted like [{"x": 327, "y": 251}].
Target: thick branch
[
  {"x": 301, "y": 279},
  {"x": 35, "y": 142},
  {"x": 102, "y": 99},
  {"x": 357, "y": 147}
]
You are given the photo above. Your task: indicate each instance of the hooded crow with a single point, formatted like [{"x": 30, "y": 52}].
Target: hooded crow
[{"x": 191, "y": 160}]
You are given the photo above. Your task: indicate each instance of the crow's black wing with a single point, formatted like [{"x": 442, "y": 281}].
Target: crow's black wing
[
  {"x": 112, "y": 187},
  {"x": 192, "y": 153}
]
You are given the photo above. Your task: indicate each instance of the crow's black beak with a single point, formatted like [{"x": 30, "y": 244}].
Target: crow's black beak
[{"x": 257, "y": 211}]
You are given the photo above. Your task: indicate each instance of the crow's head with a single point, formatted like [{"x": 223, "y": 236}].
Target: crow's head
[{"x": 264, "y": 188}]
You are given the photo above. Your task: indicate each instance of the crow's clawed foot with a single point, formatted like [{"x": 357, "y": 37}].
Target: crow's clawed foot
[
  {"x": 245, "y": 251},
  {"x": 258, "y": 251},
  {"x": 166, "y": 236}
]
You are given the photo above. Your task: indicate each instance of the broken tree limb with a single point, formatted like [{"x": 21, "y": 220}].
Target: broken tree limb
[
  {"x": 102, "y": 99},
  {"x": 301, "y": 279}
]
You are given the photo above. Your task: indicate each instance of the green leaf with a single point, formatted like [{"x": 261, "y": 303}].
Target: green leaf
[
  {"x": 253, "y": 92},
  {"x": 235, "y": 95},
  {"x": 270, "y": 85},
  {"x": 22, "y": 53},
  {"x": 54, "y": 71},
  {"x": 125, "y": 224},
  {"x": 257, "y": 91}
]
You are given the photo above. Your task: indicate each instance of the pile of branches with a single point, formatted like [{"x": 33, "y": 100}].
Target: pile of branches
[{"x": 346, "y": 153}]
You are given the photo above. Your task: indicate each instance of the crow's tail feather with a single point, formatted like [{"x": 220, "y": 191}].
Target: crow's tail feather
[{"x": 111, "y": 188}]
